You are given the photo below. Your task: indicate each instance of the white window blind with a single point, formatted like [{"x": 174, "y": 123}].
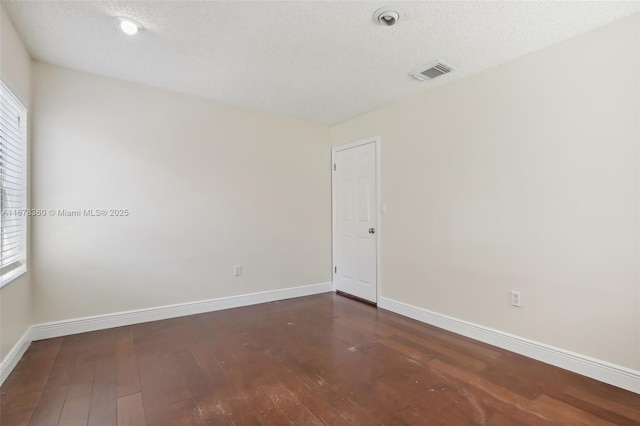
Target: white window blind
[{"x": 13, "y": 191}]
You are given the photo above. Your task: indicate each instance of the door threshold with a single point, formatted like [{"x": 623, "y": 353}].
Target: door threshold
[{"x": 356, "y": 298}]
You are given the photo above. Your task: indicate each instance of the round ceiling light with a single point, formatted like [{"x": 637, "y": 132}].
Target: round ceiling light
[
  {"x": 129, "y": 26},
  {"x": 386, "y": 16}
]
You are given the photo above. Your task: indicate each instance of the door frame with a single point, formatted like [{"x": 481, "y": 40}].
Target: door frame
[{"x": 379, "y": 211}]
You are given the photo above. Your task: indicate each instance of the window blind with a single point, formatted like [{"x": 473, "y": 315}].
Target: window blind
[{"x": 13, "y": 217}]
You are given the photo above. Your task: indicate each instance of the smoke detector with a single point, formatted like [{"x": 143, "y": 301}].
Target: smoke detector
[
  {"x": 386, "y": 16},
  {"x": 432, "y": 70}
]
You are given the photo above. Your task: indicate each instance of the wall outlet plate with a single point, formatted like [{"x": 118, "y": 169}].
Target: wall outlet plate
[{"x": 516, "y": 298}]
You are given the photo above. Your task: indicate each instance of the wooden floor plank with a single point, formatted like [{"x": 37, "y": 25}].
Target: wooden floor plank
[
  {"x": 51, "y": 402},
  {"x": 162, "y": 384},
  {"x": 186, "y": 413},
  {"x": 22, "y": 390},
  {"x": 131, "y": 410},
  {"x": 318, "y": 360},
  {"x": 543, "y": 406},
  {"x": 128, "y": 381},
  {"x": 75, "y": 410},
  {"x": 195, "y": 375},
  {"x": 103, "y": 408},
  {"x": 632, "y": 412}
]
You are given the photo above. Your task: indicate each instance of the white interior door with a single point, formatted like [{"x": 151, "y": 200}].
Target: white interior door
[{"x": 355, "y": 220}]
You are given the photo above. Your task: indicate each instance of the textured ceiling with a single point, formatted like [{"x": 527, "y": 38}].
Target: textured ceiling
[{"x": 319, "y": 61}]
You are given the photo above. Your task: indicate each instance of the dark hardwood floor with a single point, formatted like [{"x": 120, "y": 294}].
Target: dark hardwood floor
[{"x": 318, "y": 360}]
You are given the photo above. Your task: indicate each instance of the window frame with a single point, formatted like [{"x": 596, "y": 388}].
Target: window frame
[{"x": 8, "y": 97}]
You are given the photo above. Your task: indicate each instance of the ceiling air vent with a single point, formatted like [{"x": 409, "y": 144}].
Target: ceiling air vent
[{"x": 432, "y": 70}]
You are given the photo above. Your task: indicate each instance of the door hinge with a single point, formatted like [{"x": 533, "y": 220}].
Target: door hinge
[
  {"x": 335, "y": 269},
  {"x": 334, "y": 166}
]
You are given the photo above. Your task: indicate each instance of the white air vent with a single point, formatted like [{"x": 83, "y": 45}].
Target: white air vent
[{"x": 432, "y": 70}]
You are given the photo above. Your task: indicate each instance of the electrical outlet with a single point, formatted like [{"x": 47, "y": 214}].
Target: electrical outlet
[
  {"x": 516, "y": 298},
  {"x": 237, "y": 270}
]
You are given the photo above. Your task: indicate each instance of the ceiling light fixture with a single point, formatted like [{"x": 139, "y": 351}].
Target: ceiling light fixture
[
  {"x": 386, "y": 16},
  {"x": 129, "y": 26}
]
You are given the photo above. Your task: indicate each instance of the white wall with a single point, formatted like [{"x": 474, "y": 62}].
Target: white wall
[
  {"x": 523, "y": 177},
  {"x": 15, "y": 297},
  {"x": 207, "y": 186}
]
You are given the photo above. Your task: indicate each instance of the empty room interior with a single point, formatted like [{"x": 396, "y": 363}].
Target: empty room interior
[{"x": 319, "y": 213}]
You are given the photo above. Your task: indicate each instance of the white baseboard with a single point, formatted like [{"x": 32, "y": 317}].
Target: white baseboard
[
  {"x": 119, "y": 319},
  {"x": 15, "y": 354},
  {"x": 603, "y": 371}
]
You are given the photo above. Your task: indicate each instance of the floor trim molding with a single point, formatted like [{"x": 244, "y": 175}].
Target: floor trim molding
[
  {"x": 119, "y": 319},
  {"x": 603, "y": 371},
  {"x": 15, "y": 354}
]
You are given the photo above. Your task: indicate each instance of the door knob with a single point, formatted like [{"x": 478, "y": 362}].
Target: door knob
[{"x": 372, "y": 230}]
